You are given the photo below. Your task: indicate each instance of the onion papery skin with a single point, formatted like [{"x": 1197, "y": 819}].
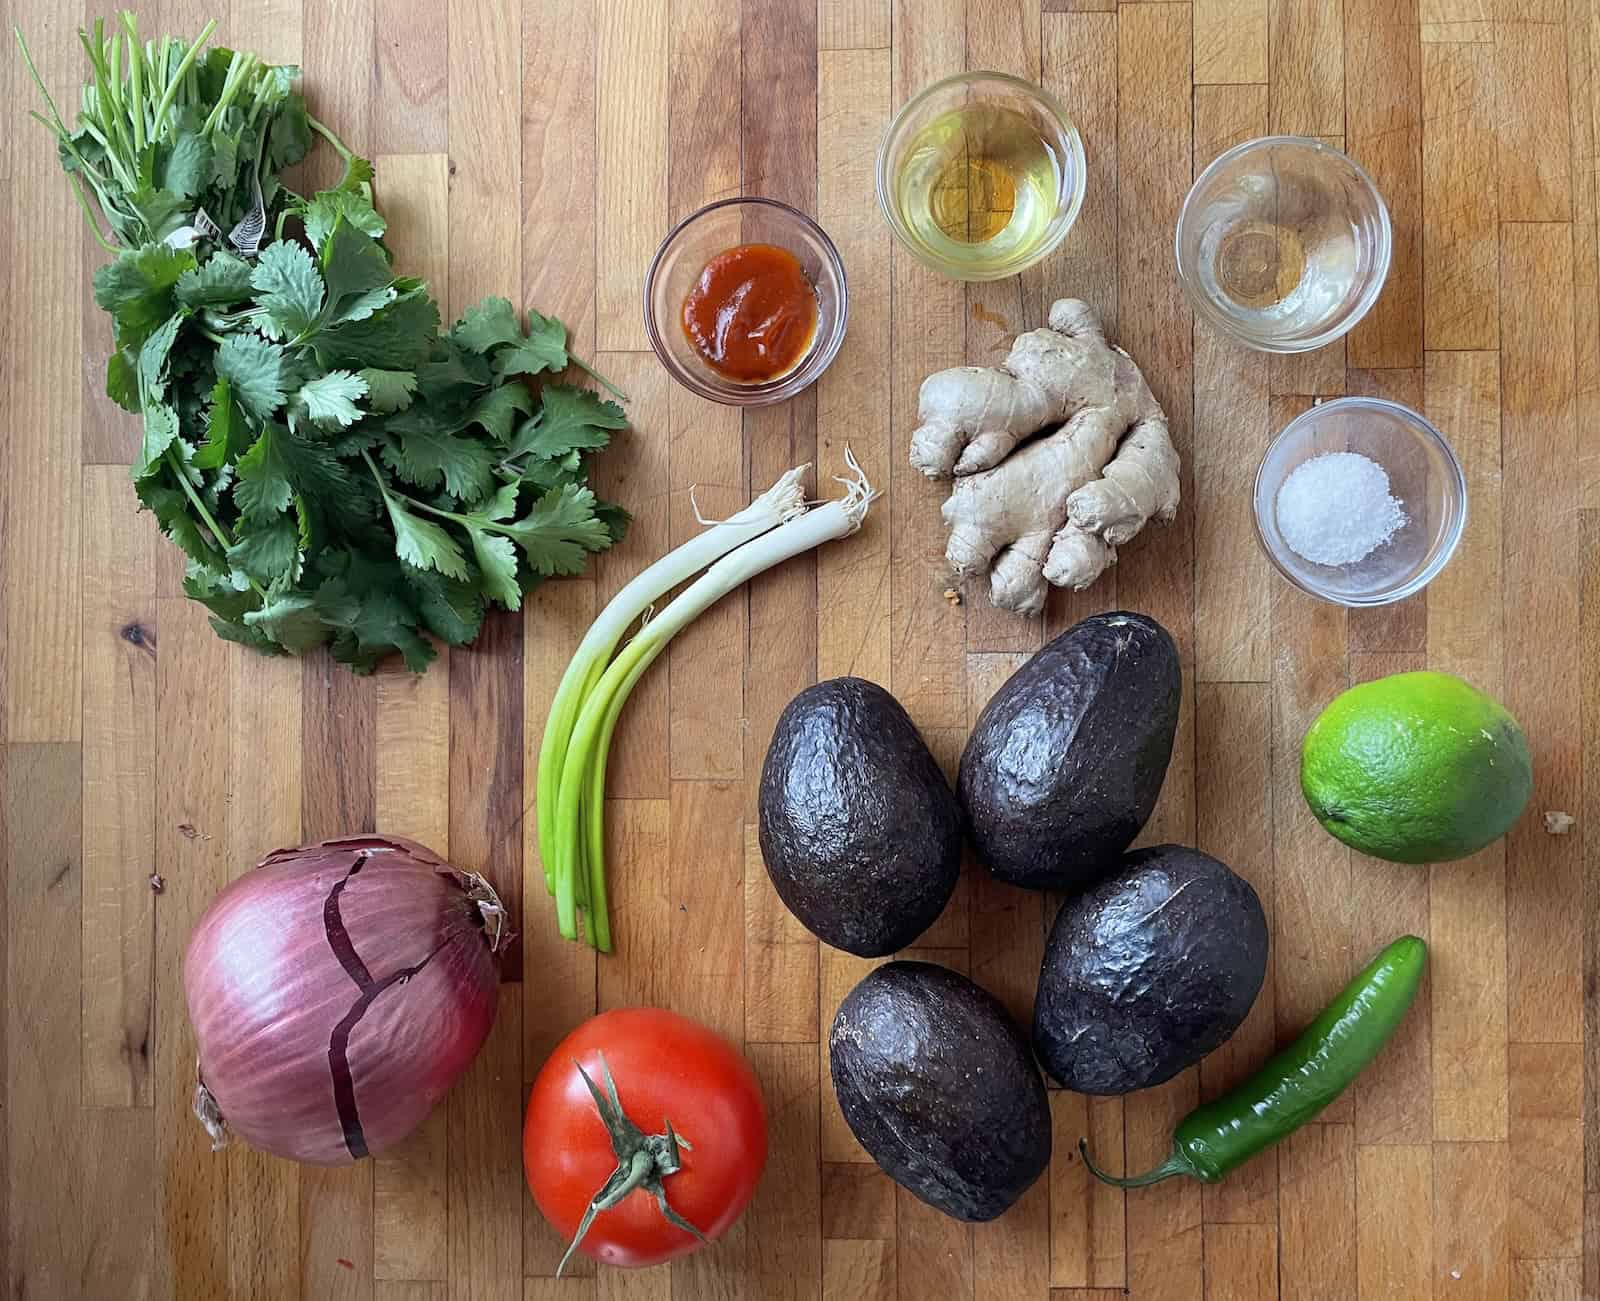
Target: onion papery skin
[{"x": 336, "y": 993}]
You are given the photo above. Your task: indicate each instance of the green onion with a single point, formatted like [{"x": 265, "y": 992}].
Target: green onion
[
  {"x": 577, "y": 859},
  {"x": 780, "y": 502}
]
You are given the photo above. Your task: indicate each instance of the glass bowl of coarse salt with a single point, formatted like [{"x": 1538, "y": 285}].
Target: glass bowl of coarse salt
[{"x": 1360, "y": 501}]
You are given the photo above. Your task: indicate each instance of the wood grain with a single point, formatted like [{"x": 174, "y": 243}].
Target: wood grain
[
  {"x": 119, "y": 693},
  {"x": 44, "y": 1152},
  {"x": 1543, "y": 872},
  {"x": 1233, "y": 580},
  {"x": 1532, "y": 122},
  {"x": 1460, "y": 195},
  {"x": 1383, "y": 132},
  {"x": 541, "y": 150}
]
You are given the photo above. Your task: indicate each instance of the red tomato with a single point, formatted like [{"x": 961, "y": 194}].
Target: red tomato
[{"x": 666, "y": 1067}]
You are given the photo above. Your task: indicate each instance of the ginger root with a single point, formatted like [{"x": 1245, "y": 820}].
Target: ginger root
[{"x": 1055, "y": 509}]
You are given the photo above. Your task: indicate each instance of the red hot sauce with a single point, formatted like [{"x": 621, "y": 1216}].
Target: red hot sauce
[{"x": 752, "y": 314}]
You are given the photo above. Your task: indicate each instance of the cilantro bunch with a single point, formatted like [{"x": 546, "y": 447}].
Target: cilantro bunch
[{"x": 336, "y": 468}]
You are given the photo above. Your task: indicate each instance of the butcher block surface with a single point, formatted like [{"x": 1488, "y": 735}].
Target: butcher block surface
[{"x": 541, "y": 149}]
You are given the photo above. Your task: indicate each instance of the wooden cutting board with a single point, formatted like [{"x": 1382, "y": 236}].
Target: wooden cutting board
[{"x": 541, "y": 148}]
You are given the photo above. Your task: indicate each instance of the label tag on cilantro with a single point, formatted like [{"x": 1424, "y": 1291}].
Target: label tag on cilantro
[{"x": 246, "y": 236}]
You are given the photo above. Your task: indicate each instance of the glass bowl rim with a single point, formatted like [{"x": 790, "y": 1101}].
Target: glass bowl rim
[
  {"x": 1369, "y": 296},
  {"x": 791, "y": 382},
  {"x": 1066, "y": 128},
  {"x": 1451, "y": 538}
]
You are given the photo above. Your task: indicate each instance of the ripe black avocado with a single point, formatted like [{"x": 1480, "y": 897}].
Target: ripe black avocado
[
  {"x": 859, "y": 829},
  {"x": 1066, "y": 761},
  {"x": 1148, "y": 971},
  {"x": 936, "y": 1081}
]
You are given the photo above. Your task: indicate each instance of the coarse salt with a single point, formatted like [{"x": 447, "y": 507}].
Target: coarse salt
[{"x": 1336, "y": 509}]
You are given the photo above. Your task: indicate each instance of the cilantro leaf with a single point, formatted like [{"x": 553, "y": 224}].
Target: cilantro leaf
[
  {"x": 291, "y": 619},
  {"x": 571, "y": 418},
  {"x": 219, "y": 595},
  {"x": 330, "y": 400},
  {"x": 422, "y": 543},
  {"x": 187, "y": 167},
  {"x": 323, "y": 211},
  {"x": 450, "y": 610},
  {"x": 289, "y": 291},
  {"x": 289, "y": 140},
  {"x": 357, "y": 176},
  {"x": 161, "y": 211},
  {"x": 545, "y": 348},
  {"x": 137, "y": 289},
  {"x": 122, "y": 379},
  {"x": 399, "y": 337},
  {"x": 280, "y": 464},
  {"x": 428, "y": 457},
  {"x": 170, "y": 505},
  {"x": 560, "y": 528},
  {"x": 487, "y": 326},
  {"x": 497, "y": 565},
  {"x": 254, "y": 368},
  {"x": 220, "y": 281},
  {"x": 497, "y": 408},
  {"x": 389, "y": 390},
  {"x": 501, "y": 506},
  {"x": 160, "y": 432},
  {"x": 225, "y": 431},
  {"x": 153, "y": 356},
  {"x": 353, "y": 264},
  {"x": 270, "y": 553},
  {"x": 451, "y": 368}
]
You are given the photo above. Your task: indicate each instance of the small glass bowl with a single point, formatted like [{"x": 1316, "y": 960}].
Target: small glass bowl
[
  {"x": 683, "y": 255},
  {"x": 966, "y": 90},
  {"x": 1283, "y": 243},
  {"x": 1424, "y": 475}
]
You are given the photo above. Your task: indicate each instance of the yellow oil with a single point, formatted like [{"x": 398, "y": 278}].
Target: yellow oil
[{"x": 978, "y": 187}]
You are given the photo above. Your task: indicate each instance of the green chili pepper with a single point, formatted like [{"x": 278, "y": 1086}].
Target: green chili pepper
[{"x": 1300, "y": 1081}]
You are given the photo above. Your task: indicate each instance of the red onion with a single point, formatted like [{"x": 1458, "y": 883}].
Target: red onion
[{"x": 337, "y": 992}]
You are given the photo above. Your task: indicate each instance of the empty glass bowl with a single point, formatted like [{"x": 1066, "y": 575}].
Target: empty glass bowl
[
  {"x": 1424, "y": 476},
  {"x": 1283, "y": 243},
  {"x": 683, "y": 255}
]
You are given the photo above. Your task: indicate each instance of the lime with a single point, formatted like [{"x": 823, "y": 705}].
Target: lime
[{"x": 1416, "y": 768}]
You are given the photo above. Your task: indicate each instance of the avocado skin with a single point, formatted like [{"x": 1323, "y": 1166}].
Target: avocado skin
[
  {"x": 1066, "y": 761},
  {"x": 936, "y": 1081},
  {"x": 859, "y": 829},
  {"x": 1149, "y": 971}
]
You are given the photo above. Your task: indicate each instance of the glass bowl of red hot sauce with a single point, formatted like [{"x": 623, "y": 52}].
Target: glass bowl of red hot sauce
[{"x": 745, "y": 302}]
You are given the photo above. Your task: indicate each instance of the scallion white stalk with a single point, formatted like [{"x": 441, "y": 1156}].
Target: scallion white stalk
[
  {"x": 781, "y": 502},
  {"x": 579, "y": 848}
]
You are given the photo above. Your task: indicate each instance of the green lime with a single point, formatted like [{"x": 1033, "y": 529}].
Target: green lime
[{"x": 1416, "y": 768}]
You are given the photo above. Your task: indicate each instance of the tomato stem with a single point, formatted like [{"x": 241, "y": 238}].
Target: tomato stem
[{"x": 643, "y": 1161}]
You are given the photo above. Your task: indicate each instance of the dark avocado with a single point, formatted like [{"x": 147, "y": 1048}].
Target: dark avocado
[
  {"x": 1148, "y": 971},
  {"x": 859, "y": 829},
  {"x": 1066, "y": 761},
  {"x": 936, "y": 1082}
]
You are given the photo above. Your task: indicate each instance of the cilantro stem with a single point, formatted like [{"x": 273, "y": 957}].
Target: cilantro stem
[
  {"x": 327, "y": 134},
  {"x": 595, "y": 375},
  {"x": 94, "y": 226},
  {"x": 220, "y": 534},
  {"x": 27, "y": 58},
  {"x": 217, "y": 531},
  {"x": 182, "y": 71},
  {"x": 135, "y": 82}
]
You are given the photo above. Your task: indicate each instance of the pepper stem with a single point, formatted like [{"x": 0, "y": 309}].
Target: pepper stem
[
  {"x": 643, "y": 1161},
  {"x": 1176, "y": 1164}
]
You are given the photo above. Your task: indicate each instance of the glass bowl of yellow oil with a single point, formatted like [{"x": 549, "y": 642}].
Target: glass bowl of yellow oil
[{"x": 981, "y": 175}]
